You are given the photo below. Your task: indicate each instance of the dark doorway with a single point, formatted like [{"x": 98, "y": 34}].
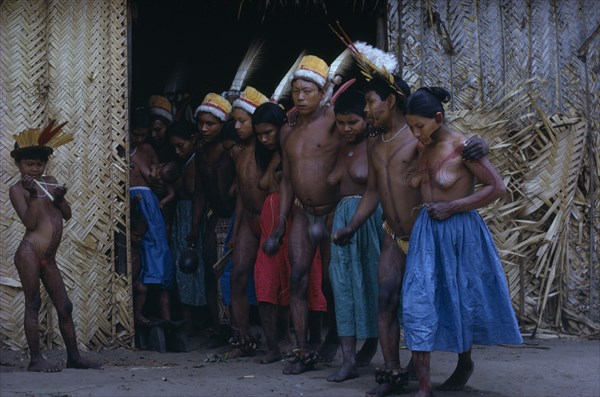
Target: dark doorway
[{"x": 205, "y": 40}]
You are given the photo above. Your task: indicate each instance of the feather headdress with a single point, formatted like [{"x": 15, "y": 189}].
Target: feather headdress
[
  {"x": 249, "y": 64},
  {"x": 339, "y": 67},
  {"x": 285, "y": 86},
  {"x": 373, "y": 62},
  {"x": 48, "y": 138}
]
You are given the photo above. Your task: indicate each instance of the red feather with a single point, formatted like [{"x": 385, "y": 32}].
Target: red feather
[{"x": 49, "y": 132}]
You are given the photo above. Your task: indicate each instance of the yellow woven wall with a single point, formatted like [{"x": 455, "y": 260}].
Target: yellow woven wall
[{"x": 68, "y": 60}]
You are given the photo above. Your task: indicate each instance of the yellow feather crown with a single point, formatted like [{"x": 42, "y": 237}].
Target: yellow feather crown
[
  {"x": 49, "y": 137},
  {"x": 250, "y": 99}
]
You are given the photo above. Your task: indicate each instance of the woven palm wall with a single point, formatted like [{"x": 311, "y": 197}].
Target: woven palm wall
[
  {"x": 68, "y": 60},
  {"x": 525, "y": 74}
]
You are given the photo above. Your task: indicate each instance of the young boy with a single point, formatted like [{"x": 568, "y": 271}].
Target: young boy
[
  {"x": 40, "y": 204},
  {"x": 156, "y": 261}
]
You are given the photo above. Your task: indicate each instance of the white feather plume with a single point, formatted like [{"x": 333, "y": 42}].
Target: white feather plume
[
  {"x": 379, "y": 58},
  {"x": 284, "y": 86},
  {"x": 341, "y": 65},
  {"x": 249, "y": 64}
]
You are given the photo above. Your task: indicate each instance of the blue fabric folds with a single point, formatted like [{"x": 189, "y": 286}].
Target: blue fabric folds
[
  {"x": 454, "y": 291},
  {"x": 157, "y": 263},
  {"x": 353, "y": 272}
]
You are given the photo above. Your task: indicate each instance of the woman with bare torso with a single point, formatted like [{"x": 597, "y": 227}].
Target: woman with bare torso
[
  {"x": 353, "y": 266},
  {"x": 246, "y": 233},
  {"x": 454, "y": 290},
  {"x": 190, "y": 285}
]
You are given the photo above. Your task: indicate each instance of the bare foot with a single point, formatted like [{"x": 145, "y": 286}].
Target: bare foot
[
  {"x": 459, "y": 377},
  {"x": 42, "y": 365},
  {"x": 82, "y": 363},
  {"x": 366, "y": 352},
  {"x": 328, "y": 350},
  {"x": 269, "y": 357},
  {"x": 344, "y": 373},
  {"x": 383, "y": 389}
]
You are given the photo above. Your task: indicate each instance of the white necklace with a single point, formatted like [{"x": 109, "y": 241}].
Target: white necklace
[{"x": 396, "y": 134}]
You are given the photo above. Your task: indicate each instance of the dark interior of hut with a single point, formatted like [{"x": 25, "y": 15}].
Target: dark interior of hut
[{"x": 196, "y": 46}]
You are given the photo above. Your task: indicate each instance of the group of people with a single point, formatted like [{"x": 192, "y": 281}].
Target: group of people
[{"x": 356, "y": 203}]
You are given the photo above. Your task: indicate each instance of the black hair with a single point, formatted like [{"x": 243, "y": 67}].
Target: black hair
[
  {"x": 384, "y": 90},
  {"x": 182, "y": 129},
  {"x": 40, "y": 153},
  {"x": 228, "y": 132},
  {"x": 140, "y": 118},
  {"x": 427, "y": 101},
  {"x": 170, "y": 172},
  {"x": 270, "y": 113},
  {"x": 350, "y": 102}
]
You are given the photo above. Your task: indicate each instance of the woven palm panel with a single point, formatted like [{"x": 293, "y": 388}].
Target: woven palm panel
[
  {"x": 544, "y": 52},
  {"x": 489, "y": 40},
  {"x": 412, "y": 31},
  {"x": 515, "y": 42},
  {"x": 435, "y": 58},
  {"x": 84, "y": 83},
  {"x": 465, "y": 69}
]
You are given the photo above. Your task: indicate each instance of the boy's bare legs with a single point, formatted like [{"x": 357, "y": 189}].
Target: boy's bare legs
[
  {"x": 27, "y": 265},
  {"x": 53, "y": 282}
]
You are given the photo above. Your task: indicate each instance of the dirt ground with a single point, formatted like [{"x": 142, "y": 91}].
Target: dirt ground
[{"x": 541, "y": 367}]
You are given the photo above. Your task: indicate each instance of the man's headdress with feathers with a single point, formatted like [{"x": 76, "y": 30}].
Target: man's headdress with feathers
[{"x": 373, "y": 62}]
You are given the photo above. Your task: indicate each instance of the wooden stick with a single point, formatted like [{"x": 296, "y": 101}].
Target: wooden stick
[
  {"x": 220, "y": 264},
  {"x": 44, "y": 189}
]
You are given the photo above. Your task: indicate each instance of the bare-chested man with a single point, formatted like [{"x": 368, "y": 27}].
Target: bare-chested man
[
  {"x": 393, "y": 160},
  {"x": 246, "y": 230},
  {"x": 215, "y": 173},
  {"x": 41, "y": 205},
  {"x": 309, "y": 151}
]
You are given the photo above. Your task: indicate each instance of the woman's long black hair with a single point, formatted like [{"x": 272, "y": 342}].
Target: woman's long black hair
[{"x": 271, "y": 113}]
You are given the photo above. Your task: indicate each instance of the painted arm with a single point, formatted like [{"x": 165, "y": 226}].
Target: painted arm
[
  {"x": 239, "y": 212},
  {"x": 286, "y": 195}
]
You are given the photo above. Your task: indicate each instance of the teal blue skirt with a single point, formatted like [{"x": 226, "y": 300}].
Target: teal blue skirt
[{"x": 353, "y": 272}]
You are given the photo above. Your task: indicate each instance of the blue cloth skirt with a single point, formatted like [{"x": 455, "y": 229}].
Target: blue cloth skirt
[
  {"x": 353, "y": 272},
  {"x": 454, "y": 291},
  {"x": 190, "y": 286},
  {"x": 157, "y": 263}
]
